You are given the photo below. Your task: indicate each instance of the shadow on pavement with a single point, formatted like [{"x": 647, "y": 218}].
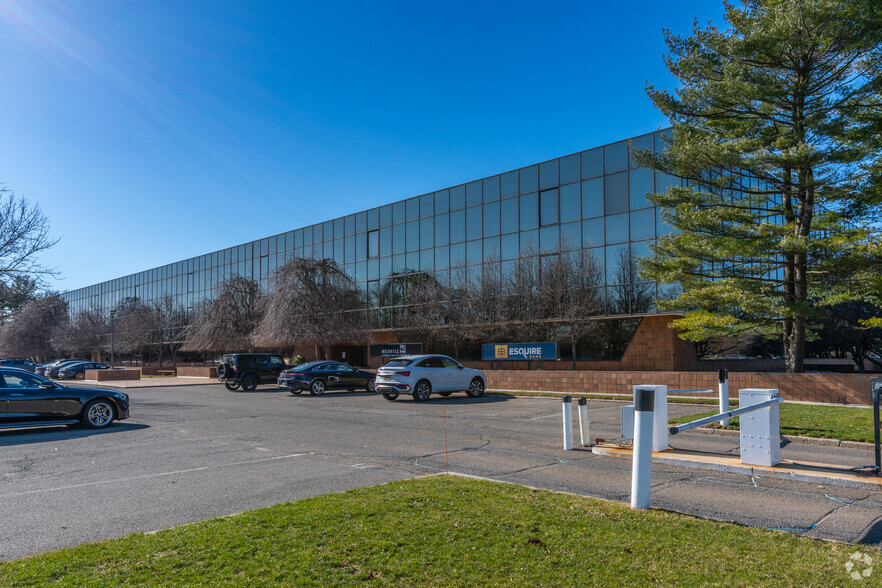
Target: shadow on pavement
[{"x": 29, "y": 436}]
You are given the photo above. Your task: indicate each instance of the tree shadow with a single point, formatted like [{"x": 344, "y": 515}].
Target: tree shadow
[{"x": 53, "y": 434}]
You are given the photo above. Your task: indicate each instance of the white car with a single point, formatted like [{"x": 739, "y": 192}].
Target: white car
[{"x": 422, "y": 375}]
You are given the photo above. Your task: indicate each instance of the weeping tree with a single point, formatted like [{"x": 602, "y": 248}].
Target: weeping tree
[
  {"x": 30, "y": 331},
  {"x": 314, "y": 302},
  {"x": 421, "y": 301},
  {"x": 225, "y": 323},
  {"x": 776, "y": 133},
  {"x": 136, "y": 329},
  {"x": 86, "y": 334},
  {"x": 171, "y": 320}
]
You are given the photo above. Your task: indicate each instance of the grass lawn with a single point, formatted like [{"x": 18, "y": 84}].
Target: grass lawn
[
  {"x": 446, "y": 531},
  {"x": 848, "y": 423}
]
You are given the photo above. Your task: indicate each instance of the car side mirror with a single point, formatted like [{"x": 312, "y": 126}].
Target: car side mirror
[{"x": 459, "y": 366}]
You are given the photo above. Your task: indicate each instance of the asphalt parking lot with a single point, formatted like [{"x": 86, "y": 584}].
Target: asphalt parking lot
[{"x": 197, "y": 452}]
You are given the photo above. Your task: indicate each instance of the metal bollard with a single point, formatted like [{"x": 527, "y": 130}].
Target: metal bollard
[
  {"x": 567, "y": 423},
  {"x": 724, "y": 396},
  {"x": 876, "y": 391},
  {"x": 583, "y": 422},
  {"x": 641, "y": 466}
]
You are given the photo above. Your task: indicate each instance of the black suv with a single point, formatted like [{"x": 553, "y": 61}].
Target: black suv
[{"x": 249, "y": 369}]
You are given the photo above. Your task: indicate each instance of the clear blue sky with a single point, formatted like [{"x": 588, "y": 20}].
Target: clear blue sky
[{"x": 151, "y": 131}]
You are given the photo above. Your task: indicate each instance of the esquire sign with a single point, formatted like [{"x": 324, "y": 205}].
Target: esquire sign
[{"x": 518, "y": 351}]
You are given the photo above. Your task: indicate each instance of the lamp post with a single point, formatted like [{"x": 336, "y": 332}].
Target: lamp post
[{"x": 112, "y": 314}]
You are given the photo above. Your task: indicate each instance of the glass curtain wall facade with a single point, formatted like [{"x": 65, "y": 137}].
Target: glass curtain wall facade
[{"x": 594, "y": 201}]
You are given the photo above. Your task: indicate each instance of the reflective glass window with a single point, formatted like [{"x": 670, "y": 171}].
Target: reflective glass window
[
  {"x": 427, "y": 260},
  {"x": 457, "y": 197},
  {"x": 457, "y": 254},
  {"x": 442, "y": 201},
  {"x": 491, "y": 248},
  {"x": 570, "y": 202},
  {"x": 398, "y": 263},
  {"x": 491, "y": 189},
  {"x": 529, "y": 211},
  {"x": 640, "y": 249},
  {"x": 457, "y": 226},
  {"x": 349, "y": 248},
  {"x": 617, "y": 264},
  {"x": 373, "y": 240},
  {"x": 509, "y": 246},
  {"x": 398, "y": 239},
  {"x": 316, "y": 238},
  {"x": 664, "y": 181},
  {"x": 339, "y": 227},
  {"x": 427, "y": 205},
  {"x": 384, "y": 217},
  {"x": 509, "y": 184},
  {"x": 427, "y": 232},
  {"x": 412, "y": 261},
  {"x": 592, "y": 163},
  {"x": 549, "y": 238},
  {"x": 529, "y": 179},
  {"x": 570, "y": 169},
  {"x": 339, "y": 251},
  {"x": 530, "y": 241},
  {"x": 616, "y": 228},
  {"x": 442, "y": 257},
  {"x": 549, "y": 176},
  {"x": 592, "y": 232},
  {"x": 412, "y": 236},
  {"x": 474, "y": 252},
  {"x": 639, "y": 184},
  {"x": 509, "y": 214},
  {"x": 643, "y": 143},
  {"x": 386, "y": 241},
  {"x": 592, "y": 198},
  {"x": 491, "y": 219},
  {"x": 473, "y": 193},
  {"x": 361, "y": 222},
  {"x": 385, "y": 266},
  {"x": 473, "y": 223},
  {"x": 662, "y": 138},
  {"x": 442, "y": 229},
  {"x": 643, "y": 224},
  {"x": 615, "y": 157},
  {"x": 329, "y": 230},
  {"x": 398, "y": 212},
  {"x": 548, "y": 207},
  {"x": 615, "y": 193},
  {"x": 412, "y": 208},
  {"x": 373, "y": 269},
  {"x": 571, "y": 236},
  {"x": 662, "y": 228}
]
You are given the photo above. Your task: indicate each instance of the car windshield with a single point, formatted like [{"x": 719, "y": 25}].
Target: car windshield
[{"x": 398, "y": 363}]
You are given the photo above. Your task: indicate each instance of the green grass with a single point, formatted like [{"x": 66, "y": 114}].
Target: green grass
[
  {"x": 446, "y": 531},
  {"x": 847, "y": 423}
]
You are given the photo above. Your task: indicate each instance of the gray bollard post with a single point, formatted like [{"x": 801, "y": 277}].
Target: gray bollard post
[
  {"x": 583, "y": 422},
  {"x": 641, "y": 466},
  {"x": 876, "y": 391},
  {"x": 567, "y": 423},
  {"x": 724, "y": 396}
]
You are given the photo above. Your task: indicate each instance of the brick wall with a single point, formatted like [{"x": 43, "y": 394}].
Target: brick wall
[
  {"x": 811, "y": 387},
  {"x": 115, "y": 374}
]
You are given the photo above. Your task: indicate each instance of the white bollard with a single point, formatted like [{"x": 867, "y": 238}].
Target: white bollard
[
  {"x": 583, "y": 422},
  {"x": 641, "y": 466},
  {"x": 568, "y": 423},
  {"x": 724, "y": 396},
  {"x": 660, "y": 415}
]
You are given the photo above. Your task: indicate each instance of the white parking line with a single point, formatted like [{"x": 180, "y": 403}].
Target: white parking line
[{"x": 157, "y": 475}]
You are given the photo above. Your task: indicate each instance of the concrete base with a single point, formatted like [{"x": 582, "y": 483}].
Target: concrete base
[{"x": 819, "y": 473}]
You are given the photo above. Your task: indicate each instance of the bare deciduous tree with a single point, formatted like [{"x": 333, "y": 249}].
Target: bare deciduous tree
[
  {"x": 29, "y": 333},
  {"x": 226, "y": 322},
  {"x": 172, "y": 321},
  {"x": 312, "y": 301},
  {"x": 85, "y": 334},
  {"x": 24, "y": 233}
]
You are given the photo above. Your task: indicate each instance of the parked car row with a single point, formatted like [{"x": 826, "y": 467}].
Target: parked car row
[
  {"x": 69, "y": 369},
  {"x": 419, "y": 376}
]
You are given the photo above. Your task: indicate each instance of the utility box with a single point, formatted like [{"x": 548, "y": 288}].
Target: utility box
[{"x": 760, "y": 431}]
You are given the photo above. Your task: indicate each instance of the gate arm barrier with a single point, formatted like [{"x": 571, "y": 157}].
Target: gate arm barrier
[{"x": 707, "y": 420}]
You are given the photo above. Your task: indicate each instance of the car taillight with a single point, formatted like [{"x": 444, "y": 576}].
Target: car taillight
[
  {"x": 234, "y": 369},
  {"x": 405, "y": 374},
  {"x": 296, "y": 375}
]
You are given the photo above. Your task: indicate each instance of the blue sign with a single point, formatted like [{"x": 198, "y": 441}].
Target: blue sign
[{"x": 518, "y": 351}]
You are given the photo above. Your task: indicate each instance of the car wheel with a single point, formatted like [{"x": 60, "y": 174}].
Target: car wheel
[
  {"x": 80, "y": 375},
  {"x": 371, "y": 385},
  {"x": 317, "y": 388},
  {"x": 295, "y": 390},
  {"x": 98, "y": 414},
  {"x": 249, "y": 383},
  {"x": 422, "y": 391},
  {"x": 231, "y": 386},
  {"x": 476, "y": 388},
  {"x": 221, "y": 370},
  {"x": 445, "y": 393},
  {"x": 390, "y": 396}
]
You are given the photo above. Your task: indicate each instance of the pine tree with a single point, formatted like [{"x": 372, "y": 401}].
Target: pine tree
[{"x": 776, "y": 126}]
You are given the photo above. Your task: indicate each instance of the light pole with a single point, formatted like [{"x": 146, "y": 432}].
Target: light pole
[{"x": 112, "y": 314}]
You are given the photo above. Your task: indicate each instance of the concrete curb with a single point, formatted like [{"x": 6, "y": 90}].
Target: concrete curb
[{"x": 795, "y": 439}]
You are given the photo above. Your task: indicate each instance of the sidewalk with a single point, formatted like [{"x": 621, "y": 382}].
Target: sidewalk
[{"x": 151, "y": 382}]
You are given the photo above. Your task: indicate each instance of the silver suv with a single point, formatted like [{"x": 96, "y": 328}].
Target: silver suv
[{"x": 423, "y": 375}]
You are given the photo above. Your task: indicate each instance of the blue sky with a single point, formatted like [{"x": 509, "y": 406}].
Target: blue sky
[{"x": 151, "y": 131}]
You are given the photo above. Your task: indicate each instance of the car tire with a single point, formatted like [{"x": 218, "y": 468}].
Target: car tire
[
  {"x": 371, "y": 386},
  {"x": 249, "y": 383},
  {"x": 295, "y": 390},
  {"x": 98, "y": 414},
  {"x": 231, "y": 386},
  {"x": 422, "y": 390},
  {"x": 448, "y": 393},
  {"x": 476, "y": 388},
  {"x": 221, "y": 370},
  {"x": 80, "y": 376},
  {"x": 390, "y": 396},
  {"x": 317, "y": 387}
]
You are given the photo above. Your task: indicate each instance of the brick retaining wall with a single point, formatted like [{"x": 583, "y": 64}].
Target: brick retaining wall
[
  {"x": 809, "y": 387},
  {"x": 114, "y": 374},
  {"x": 198, "y": 372}
]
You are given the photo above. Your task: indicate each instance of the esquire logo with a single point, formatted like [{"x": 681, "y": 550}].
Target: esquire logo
[{"x": 519, "y": 351}]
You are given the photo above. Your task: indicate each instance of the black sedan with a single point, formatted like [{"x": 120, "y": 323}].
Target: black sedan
[
  {"x": 48, "y": 369},
  {"x": 319, "y": 376},
  {"x": 77, "y": 371},
  {"x": 28, "y": 400}
]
